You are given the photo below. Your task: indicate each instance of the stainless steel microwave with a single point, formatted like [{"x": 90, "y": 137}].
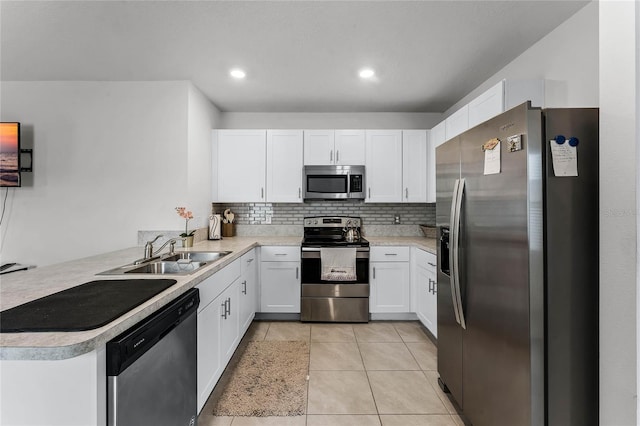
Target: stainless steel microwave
[{"x": 334, "y": 182}]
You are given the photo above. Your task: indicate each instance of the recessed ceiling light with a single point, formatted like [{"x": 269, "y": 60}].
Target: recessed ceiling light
[
  {"x": 237, "y": 73},
  {"x": 366, "y": 73}
]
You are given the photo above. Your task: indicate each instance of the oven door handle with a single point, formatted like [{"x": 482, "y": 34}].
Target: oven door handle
[
  {"x": 317, "y": 249},
  {"x": 316, "y": 254}
]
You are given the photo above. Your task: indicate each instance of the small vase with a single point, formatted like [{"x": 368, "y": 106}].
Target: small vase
[{"x": 188, "y": 242}]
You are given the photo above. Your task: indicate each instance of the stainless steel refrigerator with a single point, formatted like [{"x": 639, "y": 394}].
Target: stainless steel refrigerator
[{"x": 518, "y": 269}]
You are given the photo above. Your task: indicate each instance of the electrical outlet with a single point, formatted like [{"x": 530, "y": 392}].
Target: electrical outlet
[{"x": 268, "y": 220}]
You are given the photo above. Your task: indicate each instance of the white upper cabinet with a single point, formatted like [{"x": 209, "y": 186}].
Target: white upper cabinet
[
  {"x": 334, "y": 147},
  {"x": 487, "y": 105},
  {"x": 414, "y": 166},
  {"x": 350, "y": 147},
  {"x": 239, "y": 165},
  {"x": 436, "y": 138},
  {"x": 383, "y": 166},
  {"x": 504, "y": 96},
  {"x": 284, "y": 166},
  {"x": 438, "y": 135},
  {"x": 457, "y": 123},
  {"x": 319, "y": 147}
]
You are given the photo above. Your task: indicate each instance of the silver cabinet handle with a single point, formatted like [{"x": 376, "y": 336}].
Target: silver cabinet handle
[
  {"x": 391, "y": 254},
  {"x": 406, "y": 193},
  {"x": 229, "y": 306},
  {"x": 297, "y": 272},
  {"x": 331, "y": 156},
  {"x": 430, "y": 284},
  {"x": 249, "y": 260},
  {"x": 262, "y": 192},
  {"x": 337, "y": 156},
  {"x": 280, "y": 254},
  {"x": 369, "y": 192},
  {"x": 374, "y": 272},
  {"x": 431, "y": 264},
  {"x": 224, "y": 310},
  {"x": 244, "y": 284},
  {"x": 299, "y": 192}
]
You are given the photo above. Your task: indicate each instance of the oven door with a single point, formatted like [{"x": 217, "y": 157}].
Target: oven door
[{"x": 334, "y": 301}]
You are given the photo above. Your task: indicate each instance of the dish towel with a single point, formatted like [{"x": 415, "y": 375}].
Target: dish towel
[{"x": 338, "y": 264}]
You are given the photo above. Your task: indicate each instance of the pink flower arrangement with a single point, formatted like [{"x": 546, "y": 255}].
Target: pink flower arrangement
[{"x": 186, "y": 214}]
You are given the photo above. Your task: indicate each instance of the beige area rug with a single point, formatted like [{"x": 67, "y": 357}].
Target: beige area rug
[{"x": 270, "y": 379}]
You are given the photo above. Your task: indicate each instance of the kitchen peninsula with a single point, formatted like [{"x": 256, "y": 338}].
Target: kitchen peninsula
[{"x": 58, "y": 378}]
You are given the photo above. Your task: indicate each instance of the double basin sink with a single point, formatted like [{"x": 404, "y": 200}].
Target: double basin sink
[{"x": 181, "y": 263}]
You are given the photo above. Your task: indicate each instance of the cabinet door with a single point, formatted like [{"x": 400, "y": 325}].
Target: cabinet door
[
  {"x": 438, "y": 135},
  {"x": 487, "y": 105},
  {"x": 280, "y": 287},
  {"x": 421, "y": 276},
  {"x": 209, "y": 364},
  {"x": 248, "y": 290},
  {"x": 350, "y": 147},
  {"x": 384, "y": 166},
  {"x": 319, "y": 147},
  {"x": 241, "y": 165},
  {"x": 457, "y": 122},
  {"x": 414, "y": 166},
  {"x": 284, "y": 166},
  {"x": 431, "y": 303},
  {"x": 229, "y": 307},
  {"x": 390, "y": 287},
  {"x": 431, "y": 163}
]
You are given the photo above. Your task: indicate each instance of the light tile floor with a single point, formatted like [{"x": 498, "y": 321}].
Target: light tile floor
[{"x": 375, "y": 374}]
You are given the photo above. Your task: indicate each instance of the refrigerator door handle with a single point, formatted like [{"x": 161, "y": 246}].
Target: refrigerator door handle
[
  {"x": 454, "y": 247},
  {"x": 456, "y": 255}
]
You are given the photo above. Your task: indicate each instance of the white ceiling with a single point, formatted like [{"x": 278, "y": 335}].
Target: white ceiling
[{"x": 300, "y": 56}]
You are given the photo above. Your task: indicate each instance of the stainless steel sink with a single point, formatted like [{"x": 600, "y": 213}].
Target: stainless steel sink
[
  {"x": 197, "y": 256},
  {"x": 167, "y": 268},
  {"x": 181, "y": 263}
]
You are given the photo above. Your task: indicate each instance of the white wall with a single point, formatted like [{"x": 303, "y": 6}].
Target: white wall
[
  {"x": 567, "y": 58},
  {"x": 110, "y": 158},
  {"x": 618, "y": 212},
  {"x": 202, "y": 117},
  {"x": 346, "y": 120}
]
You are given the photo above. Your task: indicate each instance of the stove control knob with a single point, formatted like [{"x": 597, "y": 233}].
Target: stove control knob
[{"x": 315, "y": 222}]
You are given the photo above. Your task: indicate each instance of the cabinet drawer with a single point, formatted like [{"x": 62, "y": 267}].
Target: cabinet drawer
[
  {"x": 213, "y": 286},
  {"x": 389, "y": 254},
  {"x": 248, "y": 260},
  {"x": 426, "y": 260},
  {"x": 280, "y": 253}
]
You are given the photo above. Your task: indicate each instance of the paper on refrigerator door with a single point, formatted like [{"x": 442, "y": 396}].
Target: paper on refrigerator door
[
  {"x": 492, "y": 159},
  {"x": 565, "y": 159}
]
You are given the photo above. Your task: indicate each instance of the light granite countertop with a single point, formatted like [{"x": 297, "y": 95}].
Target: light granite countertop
[{"x": 21, "y": 287}]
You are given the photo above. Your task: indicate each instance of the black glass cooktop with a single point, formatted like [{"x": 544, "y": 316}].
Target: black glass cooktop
[{"x": 85, "y": 307}]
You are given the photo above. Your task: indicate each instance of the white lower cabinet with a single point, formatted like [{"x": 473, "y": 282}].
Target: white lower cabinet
[
  {"x": 280, "y": 279},
  {"x": 390, "y": 284},
  {"x": 425, "y": 284},
  {"x": 219, "y": 327},
  {"x": 248, "y": 289}
]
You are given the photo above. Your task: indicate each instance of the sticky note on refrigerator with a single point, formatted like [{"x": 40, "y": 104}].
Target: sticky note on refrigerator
[
  {"x": 492, "y": 158},
  {"x": 565, "y": 159}
]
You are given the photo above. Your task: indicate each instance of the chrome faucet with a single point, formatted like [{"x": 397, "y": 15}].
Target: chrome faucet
[
  {"x": 149, "y": 254},
  {"x": 172, "y": 245}
]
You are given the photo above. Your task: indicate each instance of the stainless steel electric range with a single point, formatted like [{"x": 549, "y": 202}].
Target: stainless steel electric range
[{"x": 335, "y": 270}]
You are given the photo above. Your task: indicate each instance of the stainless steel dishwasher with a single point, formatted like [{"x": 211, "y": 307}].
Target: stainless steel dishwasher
[{"x": 151, "y": 369}]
